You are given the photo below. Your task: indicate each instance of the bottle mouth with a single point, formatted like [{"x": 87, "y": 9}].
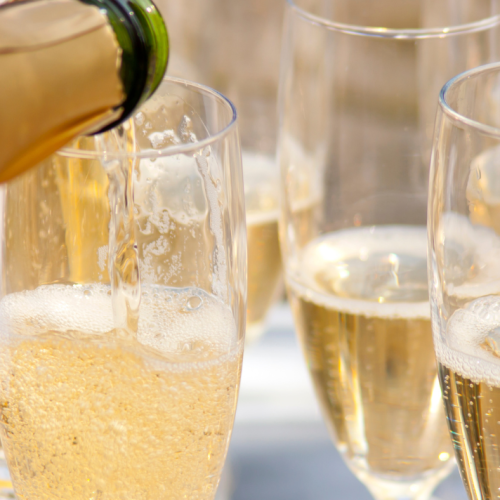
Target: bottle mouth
[
  {"x": 143, "y": 37},
  {"x": 156, "y": 40}
]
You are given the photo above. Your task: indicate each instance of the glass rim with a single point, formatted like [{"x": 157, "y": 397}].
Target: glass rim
[
  {"x": 389, "y": 33},
  {"x": 454, "y": 115},
  {"x": 187, "y": 148}
]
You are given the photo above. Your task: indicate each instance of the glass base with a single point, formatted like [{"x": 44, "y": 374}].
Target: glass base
[
  {"x": 225, "y": 485},
  {"x": 386, "y": 489},
  {"x": 6, "y": 491}
]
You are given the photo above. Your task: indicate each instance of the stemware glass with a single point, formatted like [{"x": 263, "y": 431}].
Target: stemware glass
[
  {"x": 123, "y": 306},
  {"x": 464, "y": 271},
  {"x": 234, "y": 46},
  {"x": 357, "y": 104}
]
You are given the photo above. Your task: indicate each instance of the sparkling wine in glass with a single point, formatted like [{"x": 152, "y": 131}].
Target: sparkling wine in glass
[
  {"x": 122, "y": 310},
  {"x": 464, "y": 270}
]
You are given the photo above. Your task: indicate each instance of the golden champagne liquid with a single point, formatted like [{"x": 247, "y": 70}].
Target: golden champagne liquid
[
  {"x": 264, "y": 258},
  {"x": 360, "y": 302},
  {"x": 88, "y": 414},
  {"x": 264, "y": 269},
  {"x": 469, "y": 369},
  {"x": 123, "y": 265},
  {"x": 135, "y": 401}
]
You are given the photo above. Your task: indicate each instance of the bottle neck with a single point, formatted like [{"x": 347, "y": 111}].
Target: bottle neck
[{"x": 142, "y": 36}]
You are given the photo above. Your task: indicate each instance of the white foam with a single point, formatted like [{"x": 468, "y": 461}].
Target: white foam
[
  {"x": 172, "y": 317},
  {"x": 169, "y": 183},
  {"x": 258, "y": 218},
  {"x": 367, "y": 308},
  {"x": 462, "y": 348},
  {"x": 358, "y": 243},
  {"x": 58, "y": 307},
  {"x": 169, "y": 317}
]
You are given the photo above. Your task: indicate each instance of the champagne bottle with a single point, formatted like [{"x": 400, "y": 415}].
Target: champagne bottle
[{"x": 71, "y": 67}]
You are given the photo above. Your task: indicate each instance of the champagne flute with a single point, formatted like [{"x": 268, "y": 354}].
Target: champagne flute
[
  {"x": 464, "y": 271},
  {"x": 243, "y": 63},
  {"x": 123, "y": 306},
  {"x": 357, "y": 102}
]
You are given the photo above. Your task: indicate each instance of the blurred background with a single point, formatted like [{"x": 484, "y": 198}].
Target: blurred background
[{"x": 280, "y": 449}]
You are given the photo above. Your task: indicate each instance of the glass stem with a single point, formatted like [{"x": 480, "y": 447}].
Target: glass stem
[{"x": 388, "y": 496}]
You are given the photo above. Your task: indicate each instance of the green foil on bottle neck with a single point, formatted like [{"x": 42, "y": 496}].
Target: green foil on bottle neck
[
  {"x": 157, "y": 39},
  {"x": 143, "y": 38}
]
